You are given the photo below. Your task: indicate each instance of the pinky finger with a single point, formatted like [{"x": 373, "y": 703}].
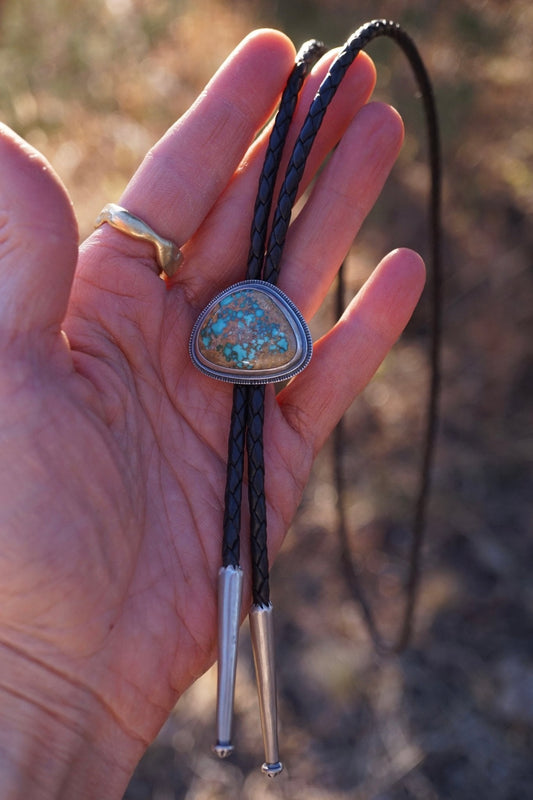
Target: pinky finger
[{"x": 346, "y": 358}]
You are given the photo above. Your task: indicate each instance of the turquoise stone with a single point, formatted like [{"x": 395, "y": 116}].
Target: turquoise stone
[{"x": 251, "y": 333}]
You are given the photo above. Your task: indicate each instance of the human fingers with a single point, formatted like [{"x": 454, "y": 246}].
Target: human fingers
[
  {"x": 345, "y": 359},
  {"x": 185, "y": 172},
  {"x": 38, "y": 242},
  {"x": 209, "y": 267},
  {"x": 343, "y": 195}
]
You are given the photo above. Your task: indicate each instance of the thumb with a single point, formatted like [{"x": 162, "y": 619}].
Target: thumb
[{"x": 38, "y": 241}]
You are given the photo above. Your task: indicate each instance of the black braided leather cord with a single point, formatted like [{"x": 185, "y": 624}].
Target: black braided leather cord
[
  {"x": 280, "y": 225},
  {"x": 394, "y": 32},
  {"x": 256, "y": 496},
  {"x": 244, "y": 397},
  {"x": 305, "y": 58},
  {"x": 249, "y": 401},
  {"x": 357, "y": 41},
  {"x": 234, "y": 477}
]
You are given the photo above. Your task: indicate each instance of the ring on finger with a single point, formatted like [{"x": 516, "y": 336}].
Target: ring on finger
[{"x": 168, "y": 255}]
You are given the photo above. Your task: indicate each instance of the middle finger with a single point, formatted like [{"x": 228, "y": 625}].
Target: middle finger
[{"x": 216, "y": 256}]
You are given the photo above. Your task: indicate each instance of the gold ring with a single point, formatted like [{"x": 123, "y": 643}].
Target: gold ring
[{"x": 168, "y": 255}]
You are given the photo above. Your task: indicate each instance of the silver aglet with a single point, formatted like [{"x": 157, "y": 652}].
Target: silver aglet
[
  {"x": 262, "y": 635},
  {"x": 229, "y": 618}
]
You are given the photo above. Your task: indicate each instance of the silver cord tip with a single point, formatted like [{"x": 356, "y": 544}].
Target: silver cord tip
[
  {"x": 262, "y": 635},
  {"x": 229, "y": 617}
]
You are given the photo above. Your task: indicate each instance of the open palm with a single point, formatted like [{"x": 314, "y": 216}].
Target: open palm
[{"x": 112, "y": 465}]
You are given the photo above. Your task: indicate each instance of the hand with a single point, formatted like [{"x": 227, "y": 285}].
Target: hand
[{"x": 113, "y": 446}]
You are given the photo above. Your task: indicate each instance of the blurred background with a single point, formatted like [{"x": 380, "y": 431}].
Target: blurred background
[{"x": 93, "y": 84}]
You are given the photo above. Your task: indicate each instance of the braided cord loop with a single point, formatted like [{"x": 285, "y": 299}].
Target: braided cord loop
[{"x": 357, "y": 41}]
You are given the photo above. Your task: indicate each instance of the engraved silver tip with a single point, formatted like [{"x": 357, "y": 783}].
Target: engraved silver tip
[
  {"x": 223, "y": 750},
  {"x": 272, "y": 770}
]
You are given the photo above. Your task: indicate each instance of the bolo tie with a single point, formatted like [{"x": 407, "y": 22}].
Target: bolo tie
[{"x": 252, "y": 334}]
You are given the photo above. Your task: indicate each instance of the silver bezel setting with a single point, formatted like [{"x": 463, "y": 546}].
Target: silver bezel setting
[{"x": 258, "y": 376}]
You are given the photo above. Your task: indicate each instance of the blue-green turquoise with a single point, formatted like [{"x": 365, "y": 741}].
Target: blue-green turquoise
[{"x": 247, "y": 330}]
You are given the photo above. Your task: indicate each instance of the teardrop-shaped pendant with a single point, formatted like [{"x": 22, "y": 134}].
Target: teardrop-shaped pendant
[{"x": 251, "y": 333}]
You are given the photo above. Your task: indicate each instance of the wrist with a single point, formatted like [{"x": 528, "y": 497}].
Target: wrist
[{"x": 57, "y": 739}]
